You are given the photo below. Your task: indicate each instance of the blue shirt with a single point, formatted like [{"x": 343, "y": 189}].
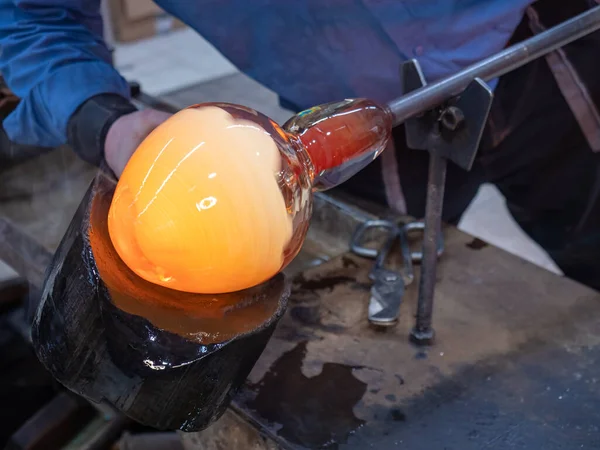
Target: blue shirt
[{"x": 308, "y": 51}]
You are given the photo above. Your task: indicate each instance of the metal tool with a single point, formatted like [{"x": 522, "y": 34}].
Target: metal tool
[
  {"x": 388, "y": 287},
  {"x": 431, "y": 96},
  {"x": 419, "y": 226},
  {"x": 447, "y": 118},
  {"x": 452, "y": 131}
]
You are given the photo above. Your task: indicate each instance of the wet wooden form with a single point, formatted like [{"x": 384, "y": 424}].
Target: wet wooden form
[
  {"x": 167, "y": 359},
  {"x": 516, "y": 364}
]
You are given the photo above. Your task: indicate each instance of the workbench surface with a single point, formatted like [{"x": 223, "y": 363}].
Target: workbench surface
[{"x": 516, "y": 364}]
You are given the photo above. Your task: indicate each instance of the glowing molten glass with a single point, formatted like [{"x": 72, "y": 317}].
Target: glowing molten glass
[{"x": 218, "y": 198}]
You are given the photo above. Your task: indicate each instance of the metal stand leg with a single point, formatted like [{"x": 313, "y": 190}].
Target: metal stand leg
[
  {"x": 450, "y": 132},
  {"x": 423, "y": 332}
]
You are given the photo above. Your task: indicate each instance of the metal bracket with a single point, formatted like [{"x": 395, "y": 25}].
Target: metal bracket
[{"x": 451, "y": 131}]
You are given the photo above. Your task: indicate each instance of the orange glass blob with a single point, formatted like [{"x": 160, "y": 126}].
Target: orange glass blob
[
  {"x": 200, "y": 318},
  {"x": 218, "y": 198}
]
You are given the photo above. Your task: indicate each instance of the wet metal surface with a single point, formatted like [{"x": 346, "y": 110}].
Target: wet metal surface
[
  {"x": 535, "y": 398},
  {"x": 312, "y": 411},
  {"x": 515, "y": 367}
]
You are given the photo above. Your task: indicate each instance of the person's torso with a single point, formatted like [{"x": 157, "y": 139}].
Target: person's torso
[{"x": 314, "y": 51}]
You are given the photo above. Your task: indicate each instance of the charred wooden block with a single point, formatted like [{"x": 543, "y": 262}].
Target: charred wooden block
[{"x": 167, "y": 359}]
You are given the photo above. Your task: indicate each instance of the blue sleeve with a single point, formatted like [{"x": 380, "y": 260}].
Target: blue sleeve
[{"x": 54, "y": 58}]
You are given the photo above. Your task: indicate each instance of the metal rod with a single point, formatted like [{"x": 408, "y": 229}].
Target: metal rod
[
  {"x": 518, "y": 55},
  {"x": 423, "y": 332}
]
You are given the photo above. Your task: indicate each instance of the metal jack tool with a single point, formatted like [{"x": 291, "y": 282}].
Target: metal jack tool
[
  {"x": 388, "y": 287},
  {"x": 451, "y": 131}
]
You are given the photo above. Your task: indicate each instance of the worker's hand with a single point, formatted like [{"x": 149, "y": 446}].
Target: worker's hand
[{"x": 127, "y": 133}]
